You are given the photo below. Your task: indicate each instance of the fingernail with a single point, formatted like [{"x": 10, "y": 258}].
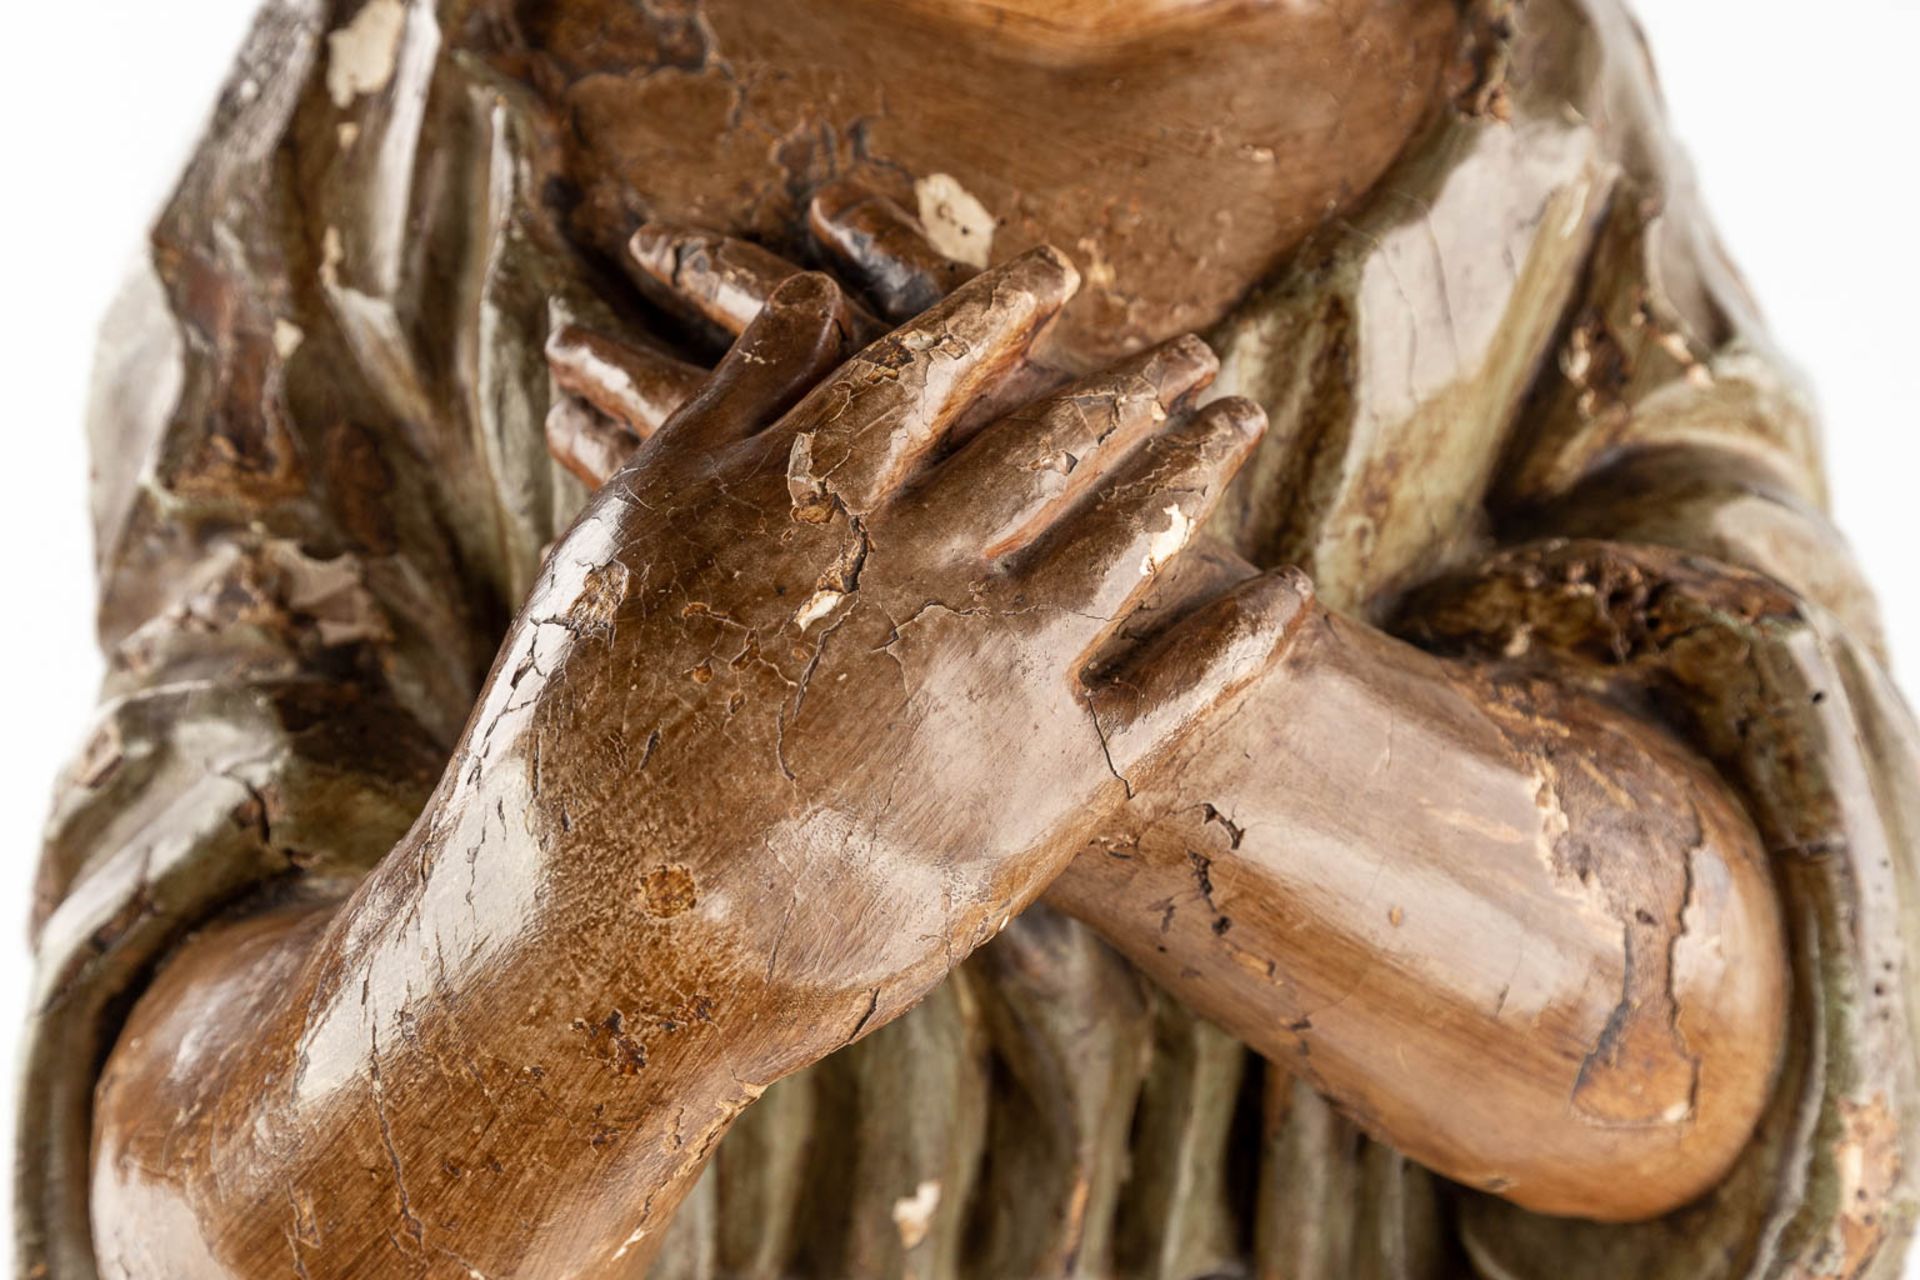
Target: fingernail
[
  {"x": 1182, "y": 365},
  {"x": 1244, "y": 414},
  {"x": 832, "y": 201},
  {"x": 655, "y": 246},
  {"x": 1059, "y": 262},
  {"x": 813, "y": 290}
]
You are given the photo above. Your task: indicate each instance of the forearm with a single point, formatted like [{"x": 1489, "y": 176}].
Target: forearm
[
  {"x": 457, "y": 1065},
  {"x": 536, "y": 1017},
  {"x": 401, "y": 1137},
  {"x": 467, "y": 1060},
  {"x": 1523, "y": 936},
  {"x": 515, "y": 1098}
]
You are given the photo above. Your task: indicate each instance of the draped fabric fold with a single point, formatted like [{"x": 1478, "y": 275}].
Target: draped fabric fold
[{"x": 1520, "y": 405}]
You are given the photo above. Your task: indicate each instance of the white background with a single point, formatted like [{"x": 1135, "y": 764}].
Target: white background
[{"x": 1804, "y": 121}]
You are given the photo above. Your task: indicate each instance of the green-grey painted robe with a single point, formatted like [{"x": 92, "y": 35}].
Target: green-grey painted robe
[{"x": 322, "y": 488}]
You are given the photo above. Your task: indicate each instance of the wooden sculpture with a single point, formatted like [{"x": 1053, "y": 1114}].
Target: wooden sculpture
[{"x": 706, "y": 680}]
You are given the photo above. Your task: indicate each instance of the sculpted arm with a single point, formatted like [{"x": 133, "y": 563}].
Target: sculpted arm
[
  {"x": 1521, "y": 933},
  {"x": 808, "y": 705},
  {"x": 716, "y": 814}
]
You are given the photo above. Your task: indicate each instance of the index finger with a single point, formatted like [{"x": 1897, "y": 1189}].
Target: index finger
[
  {"x": 719, "y": 278},
  {"x": 860, "y": 434},
  {"x": 881, "y": 248}
]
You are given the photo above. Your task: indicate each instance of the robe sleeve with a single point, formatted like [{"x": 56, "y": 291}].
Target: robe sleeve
[
  {"x": 320, "y": 489},
  {"x": 1663, "y": 505},
  {"x": 1662, "y": 515},
  {"x": 1522, "y": 407},
  {"x": 1664, "y": 523}
]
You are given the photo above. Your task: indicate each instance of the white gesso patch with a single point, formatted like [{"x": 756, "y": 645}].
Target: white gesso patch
[
  {"x": 913, "y": 1214},
  {"x": 818, "y": 605},
  {"x": 332, "y": 253},
  {"x": 287, "y": 337},
  {"x": 639, "y": 1234},
  {"x": 361, "y": 55},
  {"x": 957, "y": 225},
  {"x": 1165, "y": 545}
]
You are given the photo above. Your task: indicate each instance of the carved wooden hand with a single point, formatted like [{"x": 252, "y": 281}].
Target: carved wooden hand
[
  {"x": 1491, "y": 956},
  {"x": 794, "y": 719}
]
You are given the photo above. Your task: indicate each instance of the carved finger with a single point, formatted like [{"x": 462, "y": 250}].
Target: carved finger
[
  {"x": 1105, "y": 560},
  {"x": 1021, "y": 475},
  {"x": 719, "y": 279},
  {"x": 1182, "y": 677},
  {"x": 883, "y": 249},
  {"x": 632, "y": 385},
  {"x": 802, "y": 333},
  {"x": 1204, "y": 571},
  {"x": 716, "y": 278},
  {"x": 862, "y": 432},
  {"x": 586, "y": 442},
  {"x": 880, "y": 247}
]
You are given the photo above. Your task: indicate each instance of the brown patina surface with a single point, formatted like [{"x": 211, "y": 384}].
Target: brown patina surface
[{"x": 993, "y": 786}]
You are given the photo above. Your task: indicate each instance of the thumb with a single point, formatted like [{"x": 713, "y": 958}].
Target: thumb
[{"x": 803, "y": 333}]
